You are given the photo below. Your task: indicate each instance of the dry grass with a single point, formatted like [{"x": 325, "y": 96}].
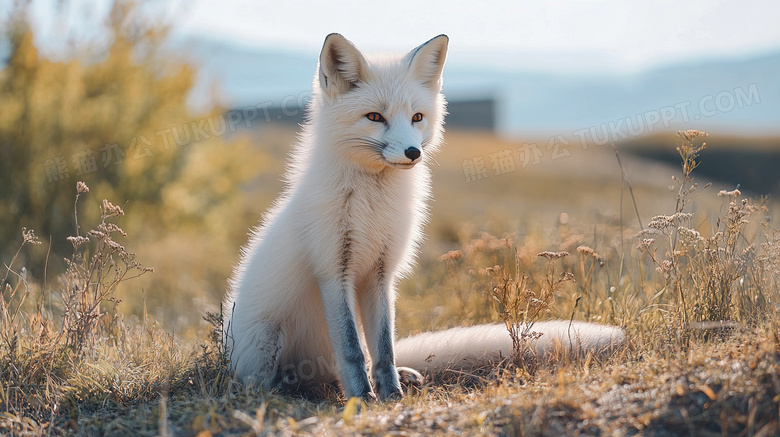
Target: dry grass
[
  {"x": 89, "y": 348},
  {"x": 72, "y": 364}
]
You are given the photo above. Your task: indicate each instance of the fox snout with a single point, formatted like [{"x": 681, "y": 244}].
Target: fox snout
[
  {"x": 403, "y": 157},
  {"x": 412, "y": 153}
]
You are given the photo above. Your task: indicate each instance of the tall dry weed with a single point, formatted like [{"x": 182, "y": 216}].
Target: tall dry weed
[
  {"x": 713, "y": 277},
  {"x": 42, "y": 349}
]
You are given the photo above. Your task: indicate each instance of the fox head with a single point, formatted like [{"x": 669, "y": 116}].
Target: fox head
[{"x": 380, "y": 111}]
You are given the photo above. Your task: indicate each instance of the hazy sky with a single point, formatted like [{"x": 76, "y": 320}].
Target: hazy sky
[
  {"x": 573, "y": 34},
  {"x": 591, "y": 34}
]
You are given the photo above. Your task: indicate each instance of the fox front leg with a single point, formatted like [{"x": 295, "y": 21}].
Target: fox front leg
[
  {"x": 338, "y": 298},
  {"x": 377, "y": 311}
]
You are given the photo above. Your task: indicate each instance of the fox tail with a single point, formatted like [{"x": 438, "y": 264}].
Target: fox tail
[{"x": 471, "y": 347}]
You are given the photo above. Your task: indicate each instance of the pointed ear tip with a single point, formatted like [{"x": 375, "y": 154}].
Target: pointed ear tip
[
  {"x": 443, "y": 38},
  {"x": 442, "y": 41},
  {"x": 334, "y": 36},
  {"x": 334, "y": 41}
]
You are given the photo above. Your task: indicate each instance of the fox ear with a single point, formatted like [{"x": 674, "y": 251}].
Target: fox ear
[
  {"x": 342, "y": 65},
  {"x": 427, "y": 61}
]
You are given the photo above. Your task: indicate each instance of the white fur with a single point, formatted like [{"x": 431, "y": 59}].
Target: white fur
[
  {"x": 346, "y": 227},
  {"x": 469, "y": 347},
  {"x": 316, "y": 282}
]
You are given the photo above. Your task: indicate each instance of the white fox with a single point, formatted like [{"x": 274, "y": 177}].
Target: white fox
[{"x": 318, "y": 277}]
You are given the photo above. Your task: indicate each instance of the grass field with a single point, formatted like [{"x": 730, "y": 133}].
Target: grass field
[{"x": 691, "y": 272}]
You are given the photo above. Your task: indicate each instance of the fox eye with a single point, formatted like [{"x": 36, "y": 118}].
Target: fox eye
[
  {"x": 417, "y": 117},
  {"x": 375, "y": 116}
]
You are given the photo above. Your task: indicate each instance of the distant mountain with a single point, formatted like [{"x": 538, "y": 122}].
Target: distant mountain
[
  {"x": 247, "y": 76},
  {"x": 733, "y": 95}
]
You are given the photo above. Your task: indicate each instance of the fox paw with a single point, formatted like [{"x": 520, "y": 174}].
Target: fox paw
[
  {"x": 410, "y": 378},
  {"x": 388, "y": 390}
]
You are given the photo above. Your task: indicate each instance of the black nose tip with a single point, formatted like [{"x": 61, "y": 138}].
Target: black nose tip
[{"x": 412, "y": 153}]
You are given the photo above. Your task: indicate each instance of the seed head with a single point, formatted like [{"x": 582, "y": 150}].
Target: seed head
[
  {"x": 28, "y": 236},
  {"x": 81, "y": 188},
  {"x": 552, "y": 256}
]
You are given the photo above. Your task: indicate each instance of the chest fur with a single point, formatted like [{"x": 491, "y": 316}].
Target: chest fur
[{"x": 364, "y": 224}]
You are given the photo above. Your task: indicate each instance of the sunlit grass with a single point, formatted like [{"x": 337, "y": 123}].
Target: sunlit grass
[
  {"x": 106, "y": 373},
  {"x": 92, "y": 342}
]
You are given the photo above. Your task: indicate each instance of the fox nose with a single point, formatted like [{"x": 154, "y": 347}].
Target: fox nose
[{"x": 412, "y": 153}]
